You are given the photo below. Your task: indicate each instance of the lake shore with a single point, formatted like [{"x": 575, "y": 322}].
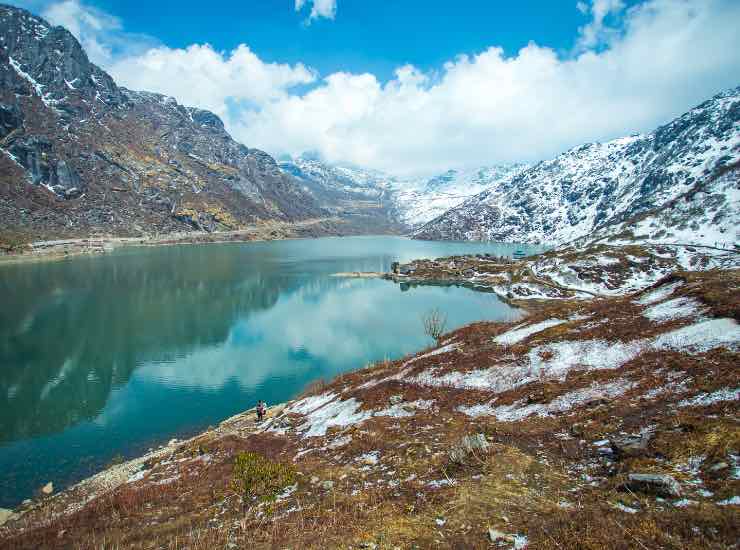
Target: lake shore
[
  {"x": 61, "y": 249},
  {"x": 461, "y": 441}
]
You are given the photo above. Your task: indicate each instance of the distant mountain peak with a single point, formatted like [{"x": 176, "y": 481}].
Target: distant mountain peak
[{"x": 599, "y": 185}]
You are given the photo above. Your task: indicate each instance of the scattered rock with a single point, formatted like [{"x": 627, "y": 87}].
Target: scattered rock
[
  {"x": 630, "y": 445},
  {"x": 395, "y": 399},
  {"x": 495, "y": 536},
  {"x": 576, "y": 429},
  {"x": 469, "y": 445},
  {"x": 328, "y": 485},
  {"x": 314, "y": 480},
  {"x": 369, "y": 545},
  {"x": 5, "y": 515},
  {"x": 719, "y": 466},
  {"x": 48, "y": 488},
  {"x": 656, "y": 484}
]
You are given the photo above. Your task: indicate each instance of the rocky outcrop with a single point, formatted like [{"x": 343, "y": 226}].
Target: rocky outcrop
[
  {"x": 81, "y": 155},
  {"x": 655, "y": 484}
]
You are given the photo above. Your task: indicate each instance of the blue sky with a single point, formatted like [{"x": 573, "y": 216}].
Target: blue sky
[
  {"x": 365, "y": 35},
  {"x": 417, "y": 87}
]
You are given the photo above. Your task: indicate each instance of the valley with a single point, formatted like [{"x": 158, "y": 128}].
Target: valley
[{"x": 540, "y": 354}]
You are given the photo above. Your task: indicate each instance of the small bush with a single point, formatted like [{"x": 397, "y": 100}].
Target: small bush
[
  {"x": 12, "y": 242},
  {"x": 435, "y": 323},
  {"x": 314, "y": 387},
  {"x": 259, "y": 478},
  {"x": 116, "y": 460}
]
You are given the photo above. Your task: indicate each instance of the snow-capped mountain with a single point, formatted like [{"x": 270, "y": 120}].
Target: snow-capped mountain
[
  {"x": 419, "y": 201},
  {"x": 330, "y": 182},
  {"x": 602, "y": 187},
  {"x": 408, "y": 202},
  {"x": 359, "y": 196}
]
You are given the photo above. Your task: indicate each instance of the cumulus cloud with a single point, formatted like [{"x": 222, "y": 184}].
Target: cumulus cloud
[
  {"x": 228, "y": 84},
  {"x": 596, "y": 31},
  {"x": 319, "y": 8},
  {"x": 87, "y": 24},
  {"x": 489, "y": 107},
  {"x": 630, "y": 69}
]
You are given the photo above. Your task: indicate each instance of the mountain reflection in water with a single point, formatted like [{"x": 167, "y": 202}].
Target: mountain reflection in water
[{"x": 105, "y": 355}]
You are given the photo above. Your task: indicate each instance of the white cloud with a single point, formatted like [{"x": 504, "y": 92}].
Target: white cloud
[
  {"x": 202, "y": 77},
  {"x": 486, "y": 108},
  {"x": 630, "y": 70},
  {"x": 87, "y": 24},
  {"x": 596, "y": 31},
  {"x": 319, "y": 8}
]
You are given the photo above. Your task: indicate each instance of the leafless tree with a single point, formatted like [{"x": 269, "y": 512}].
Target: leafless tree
[{"x": 435, "y": 323}]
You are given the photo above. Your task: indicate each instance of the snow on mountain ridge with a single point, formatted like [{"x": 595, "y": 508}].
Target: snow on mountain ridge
[
  {"x": 420, "y": 201},
  {"x": 415, "y": 201},
  {"x": 598, "y": 185}
]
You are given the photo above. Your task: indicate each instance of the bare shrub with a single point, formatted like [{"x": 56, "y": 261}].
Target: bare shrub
[
  {"x": 314, "y": 387},
  {"x": 435, "y": 323}
]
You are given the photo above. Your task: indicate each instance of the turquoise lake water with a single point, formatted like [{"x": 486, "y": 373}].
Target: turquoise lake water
[{"x": 110, "y": 355}]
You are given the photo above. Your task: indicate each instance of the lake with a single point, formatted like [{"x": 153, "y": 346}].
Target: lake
[{"x": 106, "y": 356}]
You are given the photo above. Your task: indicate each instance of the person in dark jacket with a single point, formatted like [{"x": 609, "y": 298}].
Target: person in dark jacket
[{"x": 261, "y": 409}]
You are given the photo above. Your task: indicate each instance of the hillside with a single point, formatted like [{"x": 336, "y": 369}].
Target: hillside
[
  {"x": 590, "y": 424},
  {"x": 400, "y": 203},
  {"x": 80, "y": 155},
  {"x": 600, "y": 185},
  {"x": 422, "y": 200},
  {"x": 362, "y": 197}
]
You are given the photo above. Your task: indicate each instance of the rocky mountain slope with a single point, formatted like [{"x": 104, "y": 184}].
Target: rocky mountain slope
[
  {"x": 687, "y": 165},
  {"x": 422, "y": 200},
  {"x": 406, "y": 202},
  {"x": 362, "y": 197},
  {"x": 80, "y": 155}
]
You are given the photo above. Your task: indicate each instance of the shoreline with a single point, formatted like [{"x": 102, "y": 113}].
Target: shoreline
[
  {"x": 62, "y": 249},
  {"x": 368, "y": 443},
  {"x": 111, "y": 477}
]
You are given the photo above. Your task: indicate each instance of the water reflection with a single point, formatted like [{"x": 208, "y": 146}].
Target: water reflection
[
  {"x": 105, "y": 355},
  {"x": 71, "y": 332}
]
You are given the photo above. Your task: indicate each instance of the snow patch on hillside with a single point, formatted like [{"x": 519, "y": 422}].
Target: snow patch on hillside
[{"x": 516, "y": 335}]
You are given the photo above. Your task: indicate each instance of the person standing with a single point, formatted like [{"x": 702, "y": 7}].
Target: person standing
[{"x": 261, "y": 409}]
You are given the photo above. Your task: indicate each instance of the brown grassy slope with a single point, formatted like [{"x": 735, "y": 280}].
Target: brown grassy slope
[{"x": 392, "y": 483}]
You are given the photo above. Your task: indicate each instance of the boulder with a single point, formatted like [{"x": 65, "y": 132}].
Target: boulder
[
  {"x": 48, "y": 488},
  {"x": 630, "y": 445},
  {"x": 395, "y": 399},
  {"x": 656, "y": 484},
  {"x": 469, "y": 445}
]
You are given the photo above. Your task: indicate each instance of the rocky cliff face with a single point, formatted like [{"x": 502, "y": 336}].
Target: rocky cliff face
[
  {"x": 81, "y": 155},
  {"x": 601, "y": 185}
]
